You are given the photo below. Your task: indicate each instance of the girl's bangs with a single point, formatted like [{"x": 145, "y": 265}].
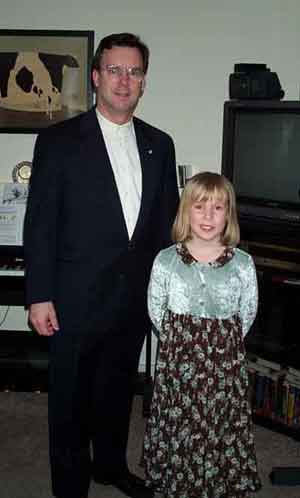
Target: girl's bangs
[{"x": 214, "y": 193}]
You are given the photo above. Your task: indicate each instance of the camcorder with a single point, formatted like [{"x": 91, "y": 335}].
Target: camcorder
[{"x": 254, "y": 81}]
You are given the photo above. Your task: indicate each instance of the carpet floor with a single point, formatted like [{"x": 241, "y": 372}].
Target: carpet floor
[{"x": 24, "y": 465}]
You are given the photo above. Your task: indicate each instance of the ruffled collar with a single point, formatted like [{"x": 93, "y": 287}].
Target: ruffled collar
[{"x": 188, "y": 259}]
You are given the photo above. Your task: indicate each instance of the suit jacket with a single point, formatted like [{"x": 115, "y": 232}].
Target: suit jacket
[{"x": 77, "y": 249}]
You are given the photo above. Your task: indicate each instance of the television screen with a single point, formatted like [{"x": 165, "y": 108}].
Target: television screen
[{"x": 266, "y": 157}]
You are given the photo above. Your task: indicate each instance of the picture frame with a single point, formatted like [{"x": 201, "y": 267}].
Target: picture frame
[{"x": 44, "y": 77}]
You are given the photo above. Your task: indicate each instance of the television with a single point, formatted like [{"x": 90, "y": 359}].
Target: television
[{"x": 261, "y": 157}]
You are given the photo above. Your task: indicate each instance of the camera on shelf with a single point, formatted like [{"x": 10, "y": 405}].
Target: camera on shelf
[{"x": 254, "y": 81}]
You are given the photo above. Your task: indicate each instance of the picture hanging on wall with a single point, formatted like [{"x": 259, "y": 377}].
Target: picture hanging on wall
[{"x": 44, "y": 77}]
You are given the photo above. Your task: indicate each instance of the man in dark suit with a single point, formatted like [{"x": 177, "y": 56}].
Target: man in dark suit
[{"x": 103, "y": 196}]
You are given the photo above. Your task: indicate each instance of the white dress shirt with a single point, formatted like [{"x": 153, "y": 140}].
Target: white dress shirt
[{"x": 120, "y": 141}]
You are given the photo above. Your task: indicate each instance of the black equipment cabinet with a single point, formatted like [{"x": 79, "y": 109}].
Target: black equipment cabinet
[
  {"x": 23, "y": 353},
  {"x": 260, "y": 156},
  {"x": 275, "y": 334}
]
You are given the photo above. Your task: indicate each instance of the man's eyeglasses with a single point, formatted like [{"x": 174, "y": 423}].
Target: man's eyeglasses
[{"x": 134, "y": 73}]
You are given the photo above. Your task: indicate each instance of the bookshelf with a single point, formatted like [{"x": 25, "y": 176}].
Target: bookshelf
[
  {"x": 273, "y": 344},
  {"x": 275, "y": 395}
]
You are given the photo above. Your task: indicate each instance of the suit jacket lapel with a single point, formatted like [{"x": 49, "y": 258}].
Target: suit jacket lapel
[
  {"x": 95, "y": 156},
  {"x": 147, "y": 155}
]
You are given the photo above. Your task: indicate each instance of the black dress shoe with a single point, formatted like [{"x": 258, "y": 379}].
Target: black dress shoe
[{"x": 130, "y": 484}]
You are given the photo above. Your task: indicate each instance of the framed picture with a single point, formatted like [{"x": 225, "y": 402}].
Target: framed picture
[{"x": 44, "y": 77}]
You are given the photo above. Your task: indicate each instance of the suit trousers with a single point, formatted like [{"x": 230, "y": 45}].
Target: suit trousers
[{"x": 91, "y": 387}]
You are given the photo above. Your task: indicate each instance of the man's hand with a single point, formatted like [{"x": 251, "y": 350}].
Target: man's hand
[{"x": 42, "y": 317}]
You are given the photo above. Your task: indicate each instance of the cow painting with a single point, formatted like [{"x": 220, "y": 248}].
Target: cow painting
[{"x": 32, "y": 81}]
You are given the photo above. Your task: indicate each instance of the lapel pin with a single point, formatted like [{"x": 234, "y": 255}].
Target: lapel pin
[{"x": 150, "y": 151}]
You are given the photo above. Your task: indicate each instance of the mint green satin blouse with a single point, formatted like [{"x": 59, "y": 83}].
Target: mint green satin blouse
[{"x": 221, "y": 289}]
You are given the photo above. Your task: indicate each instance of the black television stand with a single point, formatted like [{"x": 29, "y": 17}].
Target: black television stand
[{"x": 273, "y": 336}]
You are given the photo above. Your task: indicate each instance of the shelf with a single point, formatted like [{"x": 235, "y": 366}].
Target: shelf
[{"x": 275, "y": 426}]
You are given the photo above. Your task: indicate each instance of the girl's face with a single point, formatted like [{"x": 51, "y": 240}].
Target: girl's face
[{"x": 208, "y": 219}]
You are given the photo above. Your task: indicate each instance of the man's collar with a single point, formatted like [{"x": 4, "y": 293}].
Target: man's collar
[{"x": 112, "y": 127}]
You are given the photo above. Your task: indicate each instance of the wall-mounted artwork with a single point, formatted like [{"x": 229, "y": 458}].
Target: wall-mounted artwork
[{"x": 44, "y": 77}]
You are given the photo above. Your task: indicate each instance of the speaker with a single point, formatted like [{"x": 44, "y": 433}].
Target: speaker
[{"x": 285, "y": 476}]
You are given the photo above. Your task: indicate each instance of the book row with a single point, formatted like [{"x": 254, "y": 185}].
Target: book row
[{"x": 275, "y": 395}]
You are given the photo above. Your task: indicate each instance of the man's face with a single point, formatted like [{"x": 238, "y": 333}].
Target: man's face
[{"x": 118, "y": 83}]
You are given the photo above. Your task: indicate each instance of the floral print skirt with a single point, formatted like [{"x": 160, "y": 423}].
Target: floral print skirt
[{"x": 198, "y": 441}]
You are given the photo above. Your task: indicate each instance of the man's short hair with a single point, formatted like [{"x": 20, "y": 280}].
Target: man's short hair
[{"x": 121, "y": 40}]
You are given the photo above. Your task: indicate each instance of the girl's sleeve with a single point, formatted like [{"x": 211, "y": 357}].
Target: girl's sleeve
[
  {"x": 249, "y": 297},
  {"x": 158, "y": 292}
]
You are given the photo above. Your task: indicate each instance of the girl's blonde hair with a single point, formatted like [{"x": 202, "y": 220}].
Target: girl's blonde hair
[{"x": 202, "y": 187}]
